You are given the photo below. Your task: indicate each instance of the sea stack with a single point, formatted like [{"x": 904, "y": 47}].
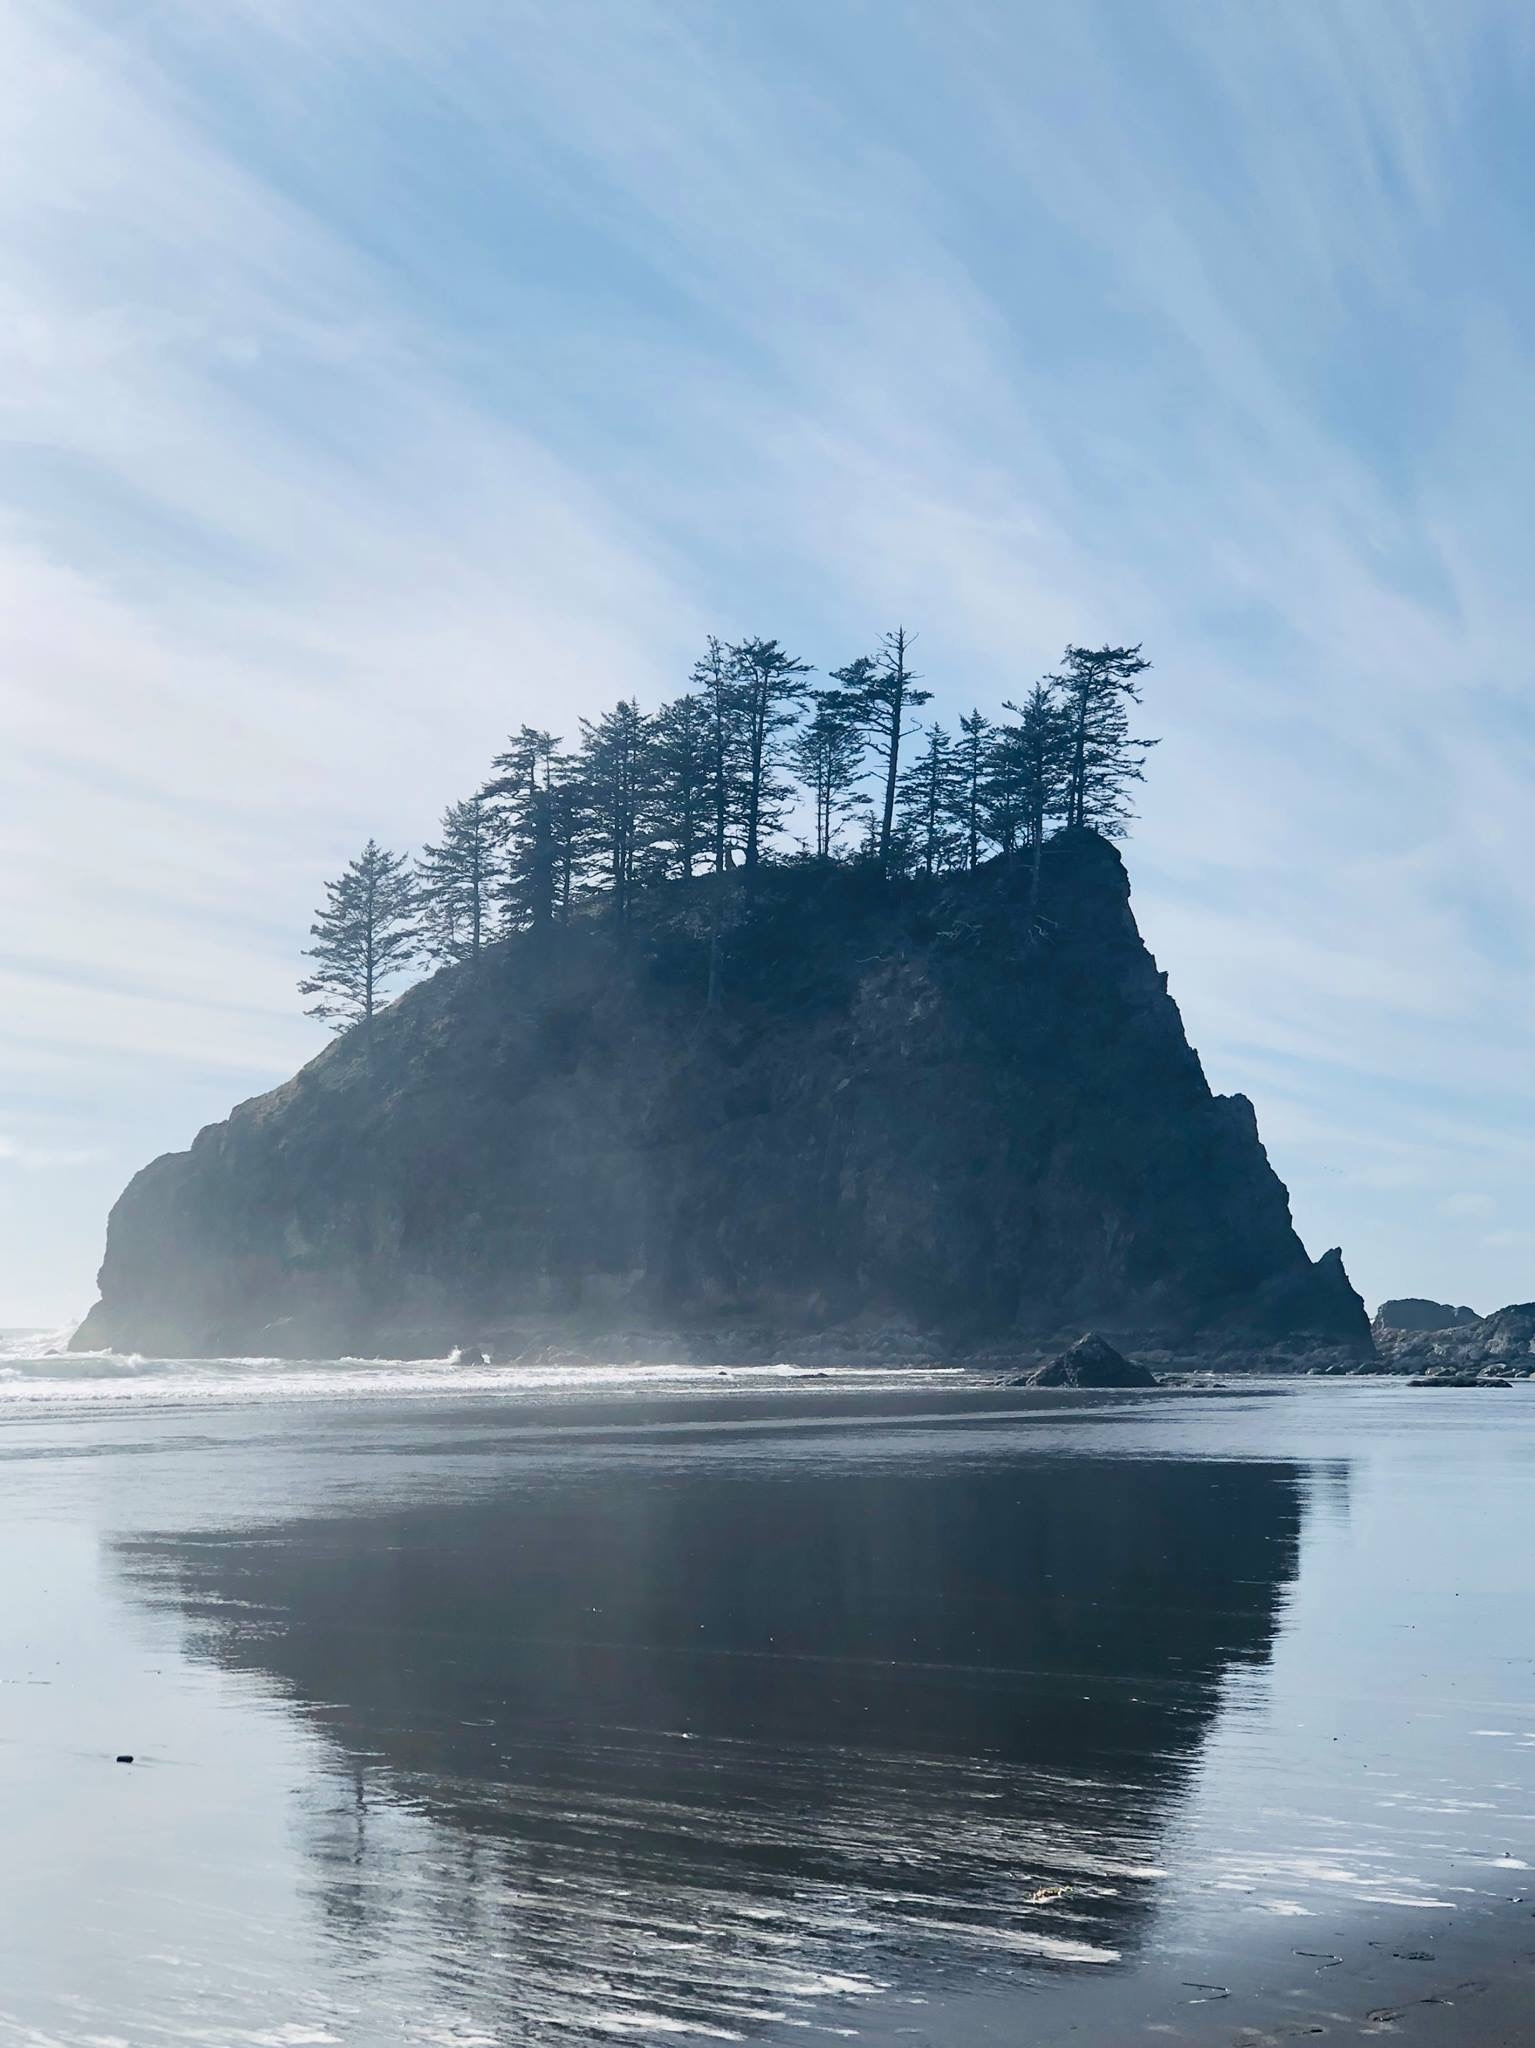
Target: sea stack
[{"x": 816, "y": 1115}]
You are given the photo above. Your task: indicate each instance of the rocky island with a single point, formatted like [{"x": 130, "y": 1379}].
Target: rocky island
[
  {"x": 1441, "y": 1344},
  {"x": 824, "y": 1116}
]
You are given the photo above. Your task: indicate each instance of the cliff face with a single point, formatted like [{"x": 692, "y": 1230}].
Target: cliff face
[
  {"x": 914, "y": 1121},
  {"x": 1412, "y": 1315},
  {"x": 1506, "y": 1338}
]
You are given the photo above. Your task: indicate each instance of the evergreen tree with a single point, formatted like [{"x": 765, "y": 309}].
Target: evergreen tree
[
  {"x": 886, "y": 691},
  {"x": 1099, "y": 685},
  {"x": 681, "y": 784},
  {"x": 456, "y": 881},
  {"x": 1031, "y": 783},
  {"x": 717, "y": 684},
  {"x": 612, "y": 774},
  {"x": 972, "y": 755},
  {"x": 827, "y": 755},
  {"x": 566, "y": 819},
  {"x": 527, "y": 804},
  {"x": 927, "y": 796},
  {"x": 769, "y": 683},
  {"x": 364, "y": 936},
  {"x": 1002, "y": 801},
  {"x": 1041, "y": 756}
]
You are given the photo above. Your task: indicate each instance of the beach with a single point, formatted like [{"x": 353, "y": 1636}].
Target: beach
[{"x": 512, "y": 1705}]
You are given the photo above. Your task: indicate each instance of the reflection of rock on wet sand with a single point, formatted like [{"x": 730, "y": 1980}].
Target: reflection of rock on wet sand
[{"x": 722, "y": 1743}]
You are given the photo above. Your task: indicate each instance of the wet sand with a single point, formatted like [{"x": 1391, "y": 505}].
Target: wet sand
[{"x": 765, "y": 1708}]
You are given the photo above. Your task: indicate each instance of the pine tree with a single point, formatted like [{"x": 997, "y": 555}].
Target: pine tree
[
  {"x": 612, "y": 774},
  {"x": 972, "y": 754},
  {"x": 681, "y": 783},
  {"x": 1099, "y": 685},
  {"x": 456, "y": 882},
  {"x": 1002, "y": 800},
  {"x": 525, "y": 795},
  {"x": 565, "y": 824},
  {"x": 926, "y": 796},
  {"x": 827, "y": 754},
  {"x": 717, "y": 685},
  {"x": 1030, "y": 780},
  {"x": 769, "y": 683},
  {"x": 364, "y": 936},
  {"x": 885, "y": 688}
]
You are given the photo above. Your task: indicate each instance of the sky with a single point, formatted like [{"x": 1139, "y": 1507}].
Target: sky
[{"x": 379, "y": 375}]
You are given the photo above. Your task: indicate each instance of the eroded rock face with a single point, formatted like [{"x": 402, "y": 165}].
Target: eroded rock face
[
  {"x": 1090, "y": 1362},
  {"x": 1413, "y": 1314},
  {"x": 919, "y": 1121},
  {"x": 1505, "y": 1340}
]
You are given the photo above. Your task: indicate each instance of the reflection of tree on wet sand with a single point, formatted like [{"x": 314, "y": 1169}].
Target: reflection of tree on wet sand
[{"x": 711, "y": 1744}]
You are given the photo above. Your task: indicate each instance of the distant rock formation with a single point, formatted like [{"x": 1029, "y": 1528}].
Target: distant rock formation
[
  {"x": 1504, "y": 1340},
  {"x": 1414, "y": 1314},
  {"x": 1090, "y": 1362},
  {"x": 920, "y": 1119}
]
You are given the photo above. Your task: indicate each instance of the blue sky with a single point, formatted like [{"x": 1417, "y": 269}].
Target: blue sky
[{"x": 379, "y": 376}]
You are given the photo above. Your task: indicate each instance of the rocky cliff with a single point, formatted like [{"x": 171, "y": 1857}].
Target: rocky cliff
[
  {"x": 1504, "y": 1339},
  {"x": 1412, "y": 1315},
  {"x": 918, "y": 1119}
]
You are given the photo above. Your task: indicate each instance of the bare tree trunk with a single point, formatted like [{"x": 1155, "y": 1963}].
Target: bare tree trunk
[
  {"x": 892, "y": 758},
  {"x": 898, "y": 683}
]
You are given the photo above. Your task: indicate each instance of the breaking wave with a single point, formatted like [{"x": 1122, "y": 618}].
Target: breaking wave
[{"x": 37, "y": 1366}]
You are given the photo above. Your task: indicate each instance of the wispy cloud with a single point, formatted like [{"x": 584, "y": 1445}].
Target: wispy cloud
[
  {"x": 375, "y": 378},
  {"x": 30, "y": 1158}
]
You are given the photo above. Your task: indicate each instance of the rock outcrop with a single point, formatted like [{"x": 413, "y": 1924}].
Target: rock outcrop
[
  {"x": 1413, "y": 1314},
  {"x": 1090, "y": 1362},
  {"x": 918, "y": 1118},
  {"x": 1503, "y": 1341}
]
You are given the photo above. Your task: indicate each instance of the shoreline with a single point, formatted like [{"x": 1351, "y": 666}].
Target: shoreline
[{"x": 551, "y": 1344}]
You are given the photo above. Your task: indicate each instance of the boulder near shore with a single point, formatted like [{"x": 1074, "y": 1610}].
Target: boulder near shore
[{"x": 1091, "y": 1362}]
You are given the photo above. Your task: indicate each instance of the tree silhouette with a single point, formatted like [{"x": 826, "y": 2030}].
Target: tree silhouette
[
  {"x": 526, "y": 796},
  {"x": 927, "y": 798},
  {"x": 1098, "y": 685},
  {"x": 717, "y": 685},
  {"x": 612, "y": 773},
  {"x": 680, "y": 784},
  {"x": 827, "y": 755},
  {"x": 1032, "y": 777},
  {"x": 365, "y": 934},
  {"x": 770, "y": 683},
  {"x": 885, "y": 688},
  {"x": 647, "y": 799},
  {"x": 455, "y": 882},
  {"x": 972, "y": 755}
]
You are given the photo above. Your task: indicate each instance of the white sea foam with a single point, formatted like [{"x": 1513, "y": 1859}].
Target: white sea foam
[
  {"x": 37, "y": 1367},
  {"x": 659, "y": 2023}
]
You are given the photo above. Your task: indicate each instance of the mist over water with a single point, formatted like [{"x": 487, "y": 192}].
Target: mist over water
[{"x": 752, "y": 1708}]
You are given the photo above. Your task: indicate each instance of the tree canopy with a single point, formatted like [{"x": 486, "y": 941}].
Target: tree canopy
[{"x": 751, "y": 763}]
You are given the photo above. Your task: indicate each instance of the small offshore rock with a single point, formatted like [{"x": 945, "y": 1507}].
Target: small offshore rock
[
  {"x": 1091, "y": 1362},
  {"x": 123, "y": 1759},
  {"x": 1448, "y": 1377}
]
